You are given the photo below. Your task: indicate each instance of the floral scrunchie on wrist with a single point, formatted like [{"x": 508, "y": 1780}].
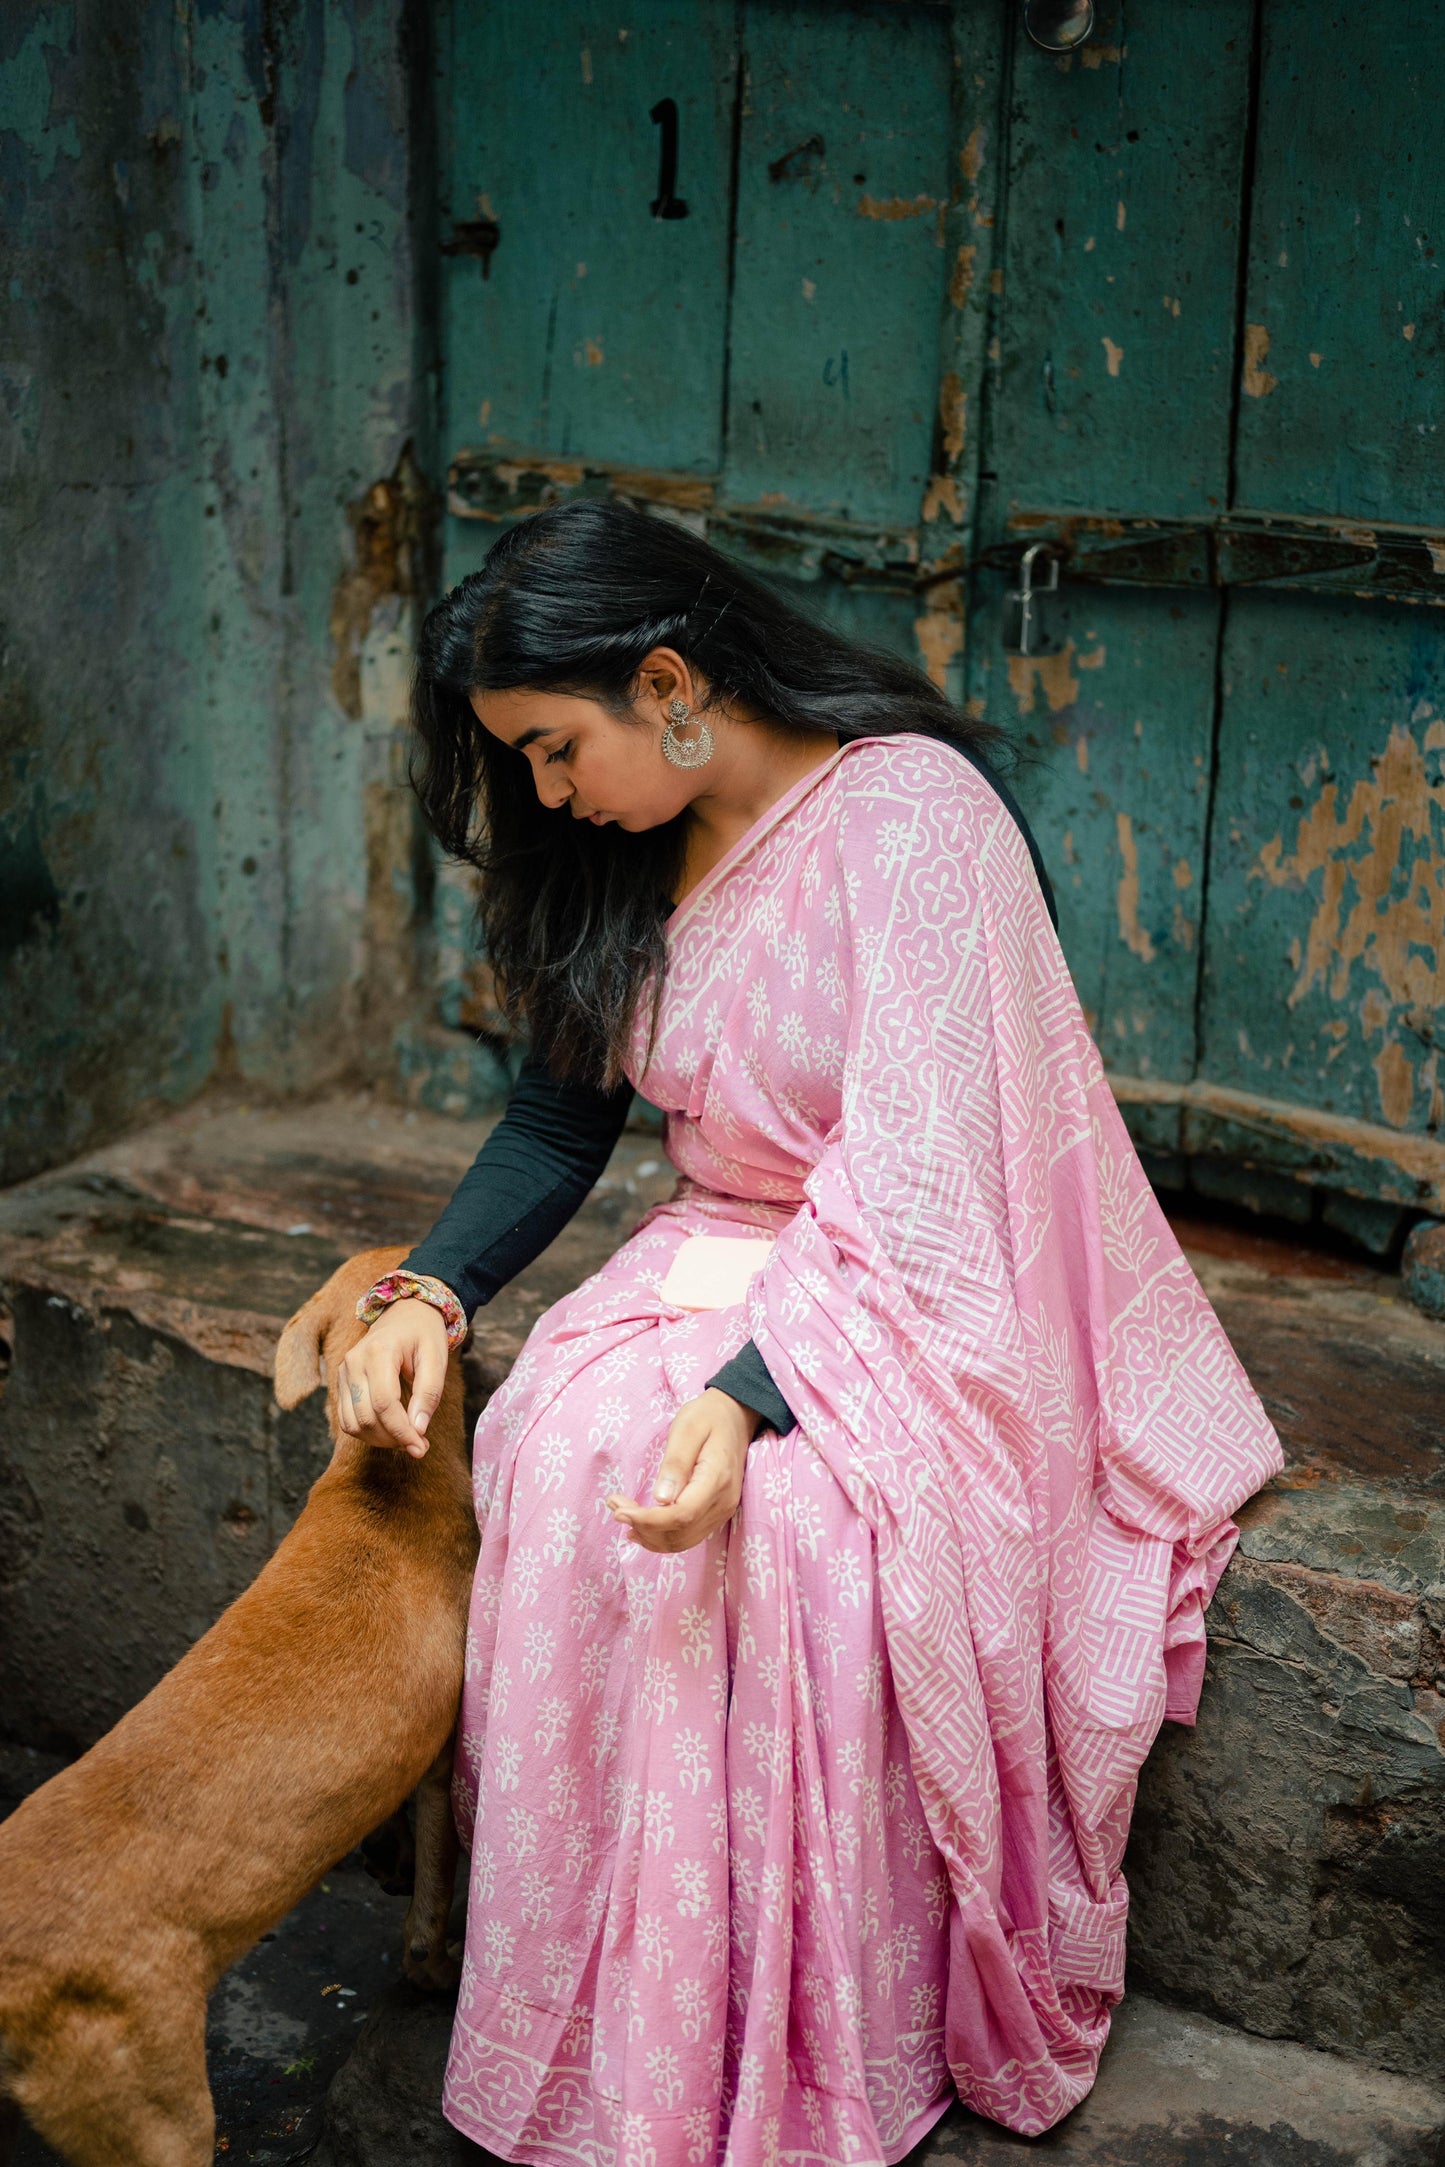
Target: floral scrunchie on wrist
[{"x": 402, "y": 1286}]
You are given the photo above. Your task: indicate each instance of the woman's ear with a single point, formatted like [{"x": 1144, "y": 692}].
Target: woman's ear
[{"x": 664, "y": 676}]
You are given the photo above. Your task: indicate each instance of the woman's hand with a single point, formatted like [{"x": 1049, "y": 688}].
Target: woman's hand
[
  {"x": 701, "y": 1478},
  {"x": 408, "y": 1339}
]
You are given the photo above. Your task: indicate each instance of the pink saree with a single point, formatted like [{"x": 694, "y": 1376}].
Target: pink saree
[{"x": 782, "y": 1844}]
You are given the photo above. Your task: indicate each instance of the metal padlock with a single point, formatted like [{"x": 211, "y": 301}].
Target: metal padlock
[{"x": 1027, "y": 593}]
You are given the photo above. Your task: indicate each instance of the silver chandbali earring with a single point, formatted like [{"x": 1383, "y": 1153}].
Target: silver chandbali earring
[{"x": 685, "y": 752}]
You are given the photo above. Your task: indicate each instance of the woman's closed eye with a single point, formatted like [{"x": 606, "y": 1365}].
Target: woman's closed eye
[{"x": 563, "y": 752}]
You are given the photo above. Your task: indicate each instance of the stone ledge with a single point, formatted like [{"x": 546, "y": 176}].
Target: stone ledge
[
  {"x": 1174, "y": 2090},
  {"x": 1287, "y": 1863}
]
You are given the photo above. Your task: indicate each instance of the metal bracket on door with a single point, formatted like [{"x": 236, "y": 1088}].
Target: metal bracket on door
[
  {"x": 1236, "y": 549},
  {"x": 1027, "y": 593}
]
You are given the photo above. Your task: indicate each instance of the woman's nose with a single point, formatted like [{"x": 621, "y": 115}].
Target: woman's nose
[{"x": 553, "y": 790}]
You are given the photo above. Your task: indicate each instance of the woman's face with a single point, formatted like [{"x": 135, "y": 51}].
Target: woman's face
[{"x": 584, "y": 758}]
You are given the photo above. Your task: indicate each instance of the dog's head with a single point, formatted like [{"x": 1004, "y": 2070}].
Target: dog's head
[{"x": 314, "y": 1343}]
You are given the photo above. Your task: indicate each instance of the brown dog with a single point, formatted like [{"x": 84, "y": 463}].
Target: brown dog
[{"x": 315, "y": 1704}]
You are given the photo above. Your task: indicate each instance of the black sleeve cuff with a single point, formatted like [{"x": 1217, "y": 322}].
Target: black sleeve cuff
[{"x": 749, "y": 1380}]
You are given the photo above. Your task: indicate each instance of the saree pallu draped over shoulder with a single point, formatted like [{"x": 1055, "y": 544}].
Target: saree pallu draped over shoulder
[{"x": 784, "y": 1842}]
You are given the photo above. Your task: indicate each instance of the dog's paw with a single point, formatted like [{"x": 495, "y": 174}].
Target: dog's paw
[{"x": 436, "y": 1966}]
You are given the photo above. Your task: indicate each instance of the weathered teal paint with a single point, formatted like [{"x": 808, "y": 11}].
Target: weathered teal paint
[
  {"x": 25, "y": 92},
  {"x": 1111, "y": 387},
  {"x": 972, "y": 290},
  {"x": 1115, "y": 322},
  {"x": 1325, "y": 970},
  {"x": 1344, "y": 412},
  {"x": 1114, "y": 727},
  {"x": 208, "y": 354},
  {"x": 1325, "y": 977},
  {"x": 597, "y": 327},
  {"x": 1253, "y": 871},
  {"x": 840, "y": 264},
  {"x": 1164, "y": 278}
]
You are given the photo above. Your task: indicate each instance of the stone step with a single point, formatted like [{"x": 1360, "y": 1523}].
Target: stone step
[
  {"x": 1288, "y": 1863},
  {"x": 1175, "y": 2089}
]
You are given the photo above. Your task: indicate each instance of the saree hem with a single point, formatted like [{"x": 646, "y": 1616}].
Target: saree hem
[{"x": 520, "y": 2154}]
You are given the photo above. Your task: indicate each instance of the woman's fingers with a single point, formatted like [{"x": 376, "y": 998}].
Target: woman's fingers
[
  {"x": 685, "y": 1441},
  {"x": 428, "y": 1374},
  {"x": 370, "y": 1407},
  {"x": 409, "y": 1341},
  {"x": 390, "y": 1420},
  {"x": 706, "y": 1503}
]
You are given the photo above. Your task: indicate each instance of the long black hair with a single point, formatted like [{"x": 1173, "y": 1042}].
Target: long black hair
[{"x": 572, "y": 600}]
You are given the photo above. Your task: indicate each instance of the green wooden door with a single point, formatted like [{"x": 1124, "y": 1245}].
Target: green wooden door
[
  {"x": 1171, "y": 304},
  {"x": 1216, "y": 385},
  {"x": 1324, "y": 969}
]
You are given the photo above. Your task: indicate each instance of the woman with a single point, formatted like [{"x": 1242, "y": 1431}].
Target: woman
[{"x": 817, "y": 1637}]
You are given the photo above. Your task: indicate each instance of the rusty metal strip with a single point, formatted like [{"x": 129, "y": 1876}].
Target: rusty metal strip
[{"x": 1381, "y": 561}]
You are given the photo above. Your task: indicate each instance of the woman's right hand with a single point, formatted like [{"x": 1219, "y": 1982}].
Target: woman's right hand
[{"x": 407, "y": 1342}]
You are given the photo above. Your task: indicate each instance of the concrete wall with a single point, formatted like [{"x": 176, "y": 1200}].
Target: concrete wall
[{"x": 214, "y": 402}]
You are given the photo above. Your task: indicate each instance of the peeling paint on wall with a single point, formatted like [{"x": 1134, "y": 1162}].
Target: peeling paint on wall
[
  {"x": 939, "y": 632},
  {"x": 387, "y": 522},
  {"x": 1134, "y": 935},
  {"x": 1257, "y": 381},
  {"x": 953, "y": 415},
  {"x": 1054, "y": 675},
  {"x": 942, "y": 496},
  {"x": 195, "y": 388},
  {"x": 965, "y": 268},
  {"x": 1379, "y": 862},
  {"x": 890, "y": 209}
]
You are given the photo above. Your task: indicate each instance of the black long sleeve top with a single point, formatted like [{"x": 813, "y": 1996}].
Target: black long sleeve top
[
  {"x": 529, "y": 1178},
  {"x": 542, "y": 1159}
]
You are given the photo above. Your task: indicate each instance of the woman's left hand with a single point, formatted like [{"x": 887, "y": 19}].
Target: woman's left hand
[{"x": 701, "y": 1478}]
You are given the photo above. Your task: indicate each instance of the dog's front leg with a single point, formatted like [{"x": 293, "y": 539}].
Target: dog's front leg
[{"x": 426, "y": 1959}]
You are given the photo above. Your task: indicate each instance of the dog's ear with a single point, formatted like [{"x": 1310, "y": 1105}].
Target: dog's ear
[
  {"x": 330, "y": 1314},
  {"x": 299, "y": 1367}
]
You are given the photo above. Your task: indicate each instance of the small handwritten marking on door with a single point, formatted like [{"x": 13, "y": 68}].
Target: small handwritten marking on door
[
  {"x": 835, "y": 373},
  {"x": 667, "y": 203}
]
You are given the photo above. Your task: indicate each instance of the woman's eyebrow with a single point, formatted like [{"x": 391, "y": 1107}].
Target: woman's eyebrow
[{"x": 529, "y": 737}]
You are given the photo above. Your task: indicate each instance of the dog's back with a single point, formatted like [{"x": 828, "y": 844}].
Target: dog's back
[{"x": 306, "y": 1714}]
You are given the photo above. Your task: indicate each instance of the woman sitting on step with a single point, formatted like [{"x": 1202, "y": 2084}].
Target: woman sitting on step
[{"x": 826, "y": 1606}]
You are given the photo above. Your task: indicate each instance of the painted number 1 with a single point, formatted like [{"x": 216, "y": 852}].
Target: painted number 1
[{"x": 665, "y": 203}]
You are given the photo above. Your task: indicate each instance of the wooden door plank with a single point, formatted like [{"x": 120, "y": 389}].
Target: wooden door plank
[
  {"x": 598, "y": 329},
  {"x": 1325, "y": 974},
  {"x": 1121, "y": 204},
  {"x": 840, "y": 264},
  {"x": 1114, "y": 730},
  {"x": 1118, "y": 272},
  {"x": 1343, "y": 412}
]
